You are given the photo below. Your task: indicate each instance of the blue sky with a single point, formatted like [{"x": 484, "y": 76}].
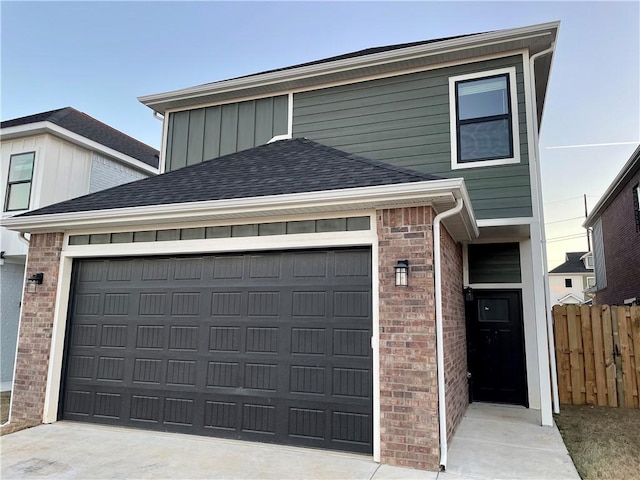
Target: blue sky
[{"x": 100, "y": 56}]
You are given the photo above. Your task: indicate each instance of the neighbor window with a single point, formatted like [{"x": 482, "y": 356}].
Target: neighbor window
[
  {"x": 19, "y": 181},
  {"x": 484, "y": 129},
  {"x": 591, "y": 282},
  {"x": 568, "y": 283},
  {"x": 589, "y": 261}
]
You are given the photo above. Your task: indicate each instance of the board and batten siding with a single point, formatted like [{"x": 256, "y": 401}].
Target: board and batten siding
[
  {"x": 194, "y": 136},
  {"x": 404, "y": 120}
]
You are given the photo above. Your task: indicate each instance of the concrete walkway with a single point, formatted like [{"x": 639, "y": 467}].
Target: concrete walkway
[
  {"x": 491, "y": 442},
  {"x": 505, "y": 442}
]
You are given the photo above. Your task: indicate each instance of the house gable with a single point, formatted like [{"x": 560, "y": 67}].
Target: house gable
[
  {"x": 70, "y": 120},
  {"x": 399, "y": 111}
]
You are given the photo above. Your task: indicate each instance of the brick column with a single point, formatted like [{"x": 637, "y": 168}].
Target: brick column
[
  {"x": 34, "y": 336},
  {"x": 454, "y": 332},
  {"x": 408, "y": 378}
]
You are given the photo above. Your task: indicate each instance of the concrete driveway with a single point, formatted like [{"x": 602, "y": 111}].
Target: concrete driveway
[
  {"x": 71, "y": 450},
  {"x": 491, "y": 442}
]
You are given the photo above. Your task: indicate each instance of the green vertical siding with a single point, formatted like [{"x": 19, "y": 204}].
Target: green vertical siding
[
  {"x": 202, "y": 134},
  {"x": 405, "y": 121}
]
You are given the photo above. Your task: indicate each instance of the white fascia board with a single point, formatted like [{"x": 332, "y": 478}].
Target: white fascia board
[
  {"x": 629, "y": 168},
  {"x": 504, "y": 222},
  {"x": 58, "y": 131},
  {"x": 326, "y": 68},
  {"x": 419, "y": 193}
]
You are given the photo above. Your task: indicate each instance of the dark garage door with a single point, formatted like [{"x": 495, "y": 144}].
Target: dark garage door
[{"x": 271, "y": 347}]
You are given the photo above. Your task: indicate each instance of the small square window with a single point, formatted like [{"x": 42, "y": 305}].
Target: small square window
[
  {"x": 19, "y": 182},
  {"x": 591, "y": 282},
  {"x": 568, "y": 283}
]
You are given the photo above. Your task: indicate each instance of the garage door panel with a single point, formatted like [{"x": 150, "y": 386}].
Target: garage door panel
[{"x": 271, "y": 347}]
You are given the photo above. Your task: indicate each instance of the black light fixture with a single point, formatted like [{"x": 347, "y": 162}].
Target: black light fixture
[
  {"x": 402, "y": 273},
  {"x": 33, "y": 280},
  {"x": 468, "y": 294}
]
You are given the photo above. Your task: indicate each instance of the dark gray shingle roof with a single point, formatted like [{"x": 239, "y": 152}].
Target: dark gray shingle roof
[
  {"x": 359, "y": 53},
  {"x": 88, "y": 127},
  {"x": 573, "y": 264},
  {"x": 283, "y": 167}
]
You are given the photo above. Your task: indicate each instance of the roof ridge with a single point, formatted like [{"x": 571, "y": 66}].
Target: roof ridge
[
  {"x": 59, "y": 114},
  {"x": 113, "y": 129},
  {"x": 354, "y": 54}
]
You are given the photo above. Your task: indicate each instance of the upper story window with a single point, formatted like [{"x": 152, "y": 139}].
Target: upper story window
[
  {"x": 484, "y": 119},
  {"x": 588, "y": 261},
  {"x": 568, "y": 283},
  {"x": 19, "y": 181}
]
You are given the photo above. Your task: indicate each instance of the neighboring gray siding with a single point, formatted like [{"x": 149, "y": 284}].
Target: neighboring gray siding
[
  {"x": 106, "y": 173},
  {"x": 202, "y": 134},
  {"x": 11, "y": 278},
  {"x": 494, "y": 263},
  {"x": 599, "y": 265},
  {"x": 404, "y": 120}
]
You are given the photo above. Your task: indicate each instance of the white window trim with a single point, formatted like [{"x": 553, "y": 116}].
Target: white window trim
[
  {"x": 588, "y": 261},
  {"x": 7, "y": 193},
  {"x": 513, "y": 92}
]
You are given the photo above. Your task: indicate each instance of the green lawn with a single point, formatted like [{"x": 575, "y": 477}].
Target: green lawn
[{"x": 603, "y": 442}]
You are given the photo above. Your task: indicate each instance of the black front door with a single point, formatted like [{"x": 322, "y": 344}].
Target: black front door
[{"x": 496, "y": 347}]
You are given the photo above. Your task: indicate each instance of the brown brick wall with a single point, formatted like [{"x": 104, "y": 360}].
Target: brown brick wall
[
  {"x": 408, "y": 380},
  {"x": 34, "y": 337},
  {"x": 454, "y": 331},
  {"x": 621, "y": 248}
]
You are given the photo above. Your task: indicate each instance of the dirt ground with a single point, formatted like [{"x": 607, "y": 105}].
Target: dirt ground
[{"x": 604, "y": 442}]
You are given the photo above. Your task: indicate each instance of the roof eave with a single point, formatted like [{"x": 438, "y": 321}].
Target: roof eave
[
  {"x": 291, "y": 77},
  {"x": 37, "y": 128},
  {"x": 440, "y": 194},
  {"x": 629, "y": 169}
]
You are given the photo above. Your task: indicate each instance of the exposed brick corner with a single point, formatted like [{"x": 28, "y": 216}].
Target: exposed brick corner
[
  {"x": 408, "y": 380},
  {"x": 34, "y": 337}
]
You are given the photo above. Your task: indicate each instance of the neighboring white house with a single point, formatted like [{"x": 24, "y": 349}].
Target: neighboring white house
[
  {"x": 47, "y": 158},
  {"x": 569, "y": 281}
]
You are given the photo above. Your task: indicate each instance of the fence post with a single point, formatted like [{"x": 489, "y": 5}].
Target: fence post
[
  {"x": 617, "y": 354},
  {"x": 598, "y": 354},
  {"x": 635, "y": 329},
  {"x": 609, "y": 358}
]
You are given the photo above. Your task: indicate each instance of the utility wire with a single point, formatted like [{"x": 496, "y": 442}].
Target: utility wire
[
  {"x": 568, "y": 237},
  {"x": 564, "y": 220}
]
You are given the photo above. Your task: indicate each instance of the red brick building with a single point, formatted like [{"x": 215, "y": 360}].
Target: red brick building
[{"x": 615, "y": 226}]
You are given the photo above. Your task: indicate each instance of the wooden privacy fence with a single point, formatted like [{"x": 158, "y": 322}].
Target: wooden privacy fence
[{"x": 598, "y": 354}]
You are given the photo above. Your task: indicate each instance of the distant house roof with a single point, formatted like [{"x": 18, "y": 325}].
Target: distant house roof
[
  {"x": 92, "y": 129},
  {"x": 571, "y": 299},
  {"x": 278, "y": 168},
  {"x": 627, "y": 172},
  {"x": 573, "y": 264}
]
